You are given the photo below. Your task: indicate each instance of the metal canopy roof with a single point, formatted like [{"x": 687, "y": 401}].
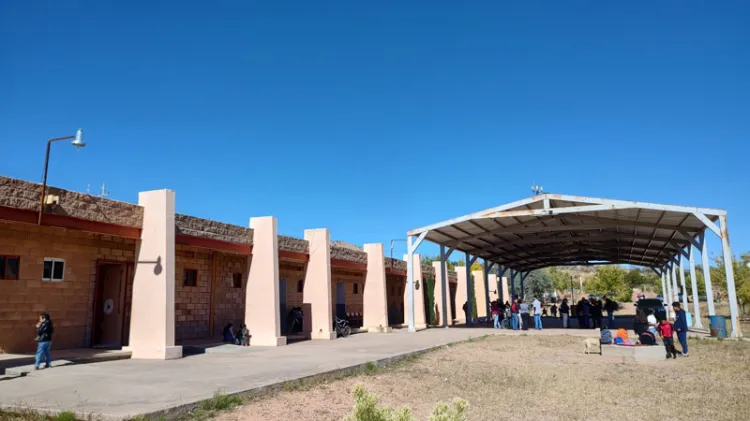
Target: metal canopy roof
[{"x": 553, "y": 229}]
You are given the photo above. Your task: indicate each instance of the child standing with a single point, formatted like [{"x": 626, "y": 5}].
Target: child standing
[
  {"x": 666, "y": 332},
  {"x": 244, "y": 335}
]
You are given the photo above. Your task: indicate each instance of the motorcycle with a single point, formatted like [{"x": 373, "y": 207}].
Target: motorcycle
[{"x": 342, "y": 327}]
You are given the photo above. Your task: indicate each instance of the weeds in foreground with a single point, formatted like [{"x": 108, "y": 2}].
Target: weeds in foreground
[
  {"x": 366, "y": 408},
  {"x": 208, "y": 408},
  {"x": 31, "y": 415}
]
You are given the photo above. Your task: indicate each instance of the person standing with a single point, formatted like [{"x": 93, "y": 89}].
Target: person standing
[
  {"x": 44, "y": 331},
  {"x": 653, "y": 325},
  {"x": 666, "y": 333},
  {"x": 565, "y": 313},
  {"x": 586, "y": 314},
  {"x": 680, "y": 326},
  {"x": 581, "y": 317},
  {"x": 596, "y": 313},
  {"x": 611, "y": 307},
  {"x": 523, "y": 308},
  {"x": 537, "y": 313},
  {"x": 515, "y": 322},
  {"x": 495, "y": 314}
]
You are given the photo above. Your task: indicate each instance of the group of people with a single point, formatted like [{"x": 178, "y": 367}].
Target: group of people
[
  {"x": 661, "y": 328},
  {"x": 241, "y": 337},
  {"x": 591, "y": 312},
  {"x": 516, "y": 314},
  {"x": 666, "y": 331}
]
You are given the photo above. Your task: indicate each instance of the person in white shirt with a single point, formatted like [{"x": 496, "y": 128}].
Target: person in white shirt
[
  {"x": 652, "y": 323},
  {"x": 537, "y": 313}
]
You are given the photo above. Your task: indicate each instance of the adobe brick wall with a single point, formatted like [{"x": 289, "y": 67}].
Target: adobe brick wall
[
  {"x": 214, "y": 230},
  {"x": 296, "y": 245},
  {"x": 70, "y": 302},
  {"x": 354, "y": 302},
  {"x": 395, "y": 264},
  {"x": 349, "y": 252},
  {"x": 292, "y": 272},
  {"x": 21, "y": 194},
  {"x": 192, "y": 304},
  {"x": 229, "y": 304}
]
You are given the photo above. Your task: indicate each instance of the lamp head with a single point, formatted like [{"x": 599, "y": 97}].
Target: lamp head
[{"x": 78, "y": 142}]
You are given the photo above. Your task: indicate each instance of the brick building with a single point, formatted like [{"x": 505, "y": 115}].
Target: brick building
[{"x": 117, "y": 274}]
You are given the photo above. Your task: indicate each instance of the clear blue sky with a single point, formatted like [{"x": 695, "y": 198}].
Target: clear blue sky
[{"x": 373, "y": 118}]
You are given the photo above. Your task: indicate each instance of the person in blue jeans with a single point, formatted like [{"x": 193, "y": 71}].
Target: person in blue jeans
[
  {"x": 680, "y": 326},
  {"x": 514, "y": 315},
  {"x": 44, "y": 331},
  {"x": 537, "y": 313}
]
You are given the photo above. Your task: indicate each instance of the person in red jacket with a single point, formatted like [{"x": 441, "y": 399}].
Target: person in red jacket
[{"x": 667, "y": 334}]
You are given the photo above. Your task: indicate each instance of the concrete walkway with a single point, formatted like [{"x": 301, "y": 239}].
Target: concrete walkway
[{"x": 125, "y": 388}]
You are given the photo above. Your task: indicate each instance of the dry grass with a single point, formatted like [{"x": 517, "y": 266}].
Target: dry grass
[{"x": 537, "y": 377}]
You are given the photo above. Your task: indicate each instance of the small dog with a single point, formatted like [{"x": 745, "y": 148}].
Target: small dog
[{"x": 592, "y": 346}]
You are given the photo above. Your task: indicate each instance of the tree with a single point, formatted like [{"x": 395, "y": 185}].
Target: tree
[
  {"x": 560, "y": 280},
  {"x": 610, "y": 281},
  {"x": 741, "y": 277},
  {"x": 537, "y": 283}
]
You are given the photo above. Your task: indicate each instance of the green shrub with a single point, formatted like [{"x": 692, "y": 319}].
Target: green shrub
[
  {"x": 65, "y": 416},
  {"x": 366, "y": 408},
  {"x": 220, "y": 402}
]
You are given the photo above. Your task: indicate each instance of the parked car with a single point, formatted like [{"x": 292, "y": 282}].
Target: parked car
[{"x": 641, "y": 313}]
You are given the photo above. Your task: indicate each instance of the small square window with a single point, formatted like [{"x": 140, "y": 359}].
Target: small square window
[
  {"x": 191, "y": 278},
  {"x": 54, "y": 269},
  {"x": 356, "y": 288},
  {"x": 9, "y": 267},
  {"x": 237, "y": 280},
  {"x": 301, "y": 285}
]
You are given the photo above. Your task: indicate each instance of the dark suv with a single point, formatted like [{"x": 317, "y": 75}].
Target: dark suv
[{"x": 641, "y": 313}]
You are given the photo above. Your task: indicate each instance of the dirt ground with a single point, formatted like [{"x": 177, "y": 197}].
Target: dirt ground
[{"x": 538, "y": 378}]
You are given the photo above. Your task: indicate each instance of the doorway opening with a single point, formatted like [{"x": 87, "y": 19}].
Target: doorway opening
[{"x": 109, "y": 305}]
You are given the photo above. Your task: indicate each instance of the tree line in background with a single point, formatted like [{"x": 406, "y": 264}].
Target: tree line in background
[{"x": 616, "y": 282}]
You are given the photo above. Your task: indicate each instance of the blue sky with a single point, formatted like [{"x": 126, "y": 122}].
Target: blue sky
[{"x": 373, "y": 118}]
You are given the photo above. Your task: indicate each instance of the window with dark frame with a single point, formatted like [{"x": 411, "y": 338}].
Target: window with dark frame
[
  {"x": 237, "y": 280},
  {"x": 9, "y": 267},
  {"x": 356, "y": 288},
  {"x": 301, "y": 285},
  {"x": 191, "y": 278}
]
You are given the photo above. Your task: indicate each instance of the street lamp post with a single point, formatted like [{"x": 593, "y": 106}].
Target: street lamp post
[{"x": 78, "y": 143}]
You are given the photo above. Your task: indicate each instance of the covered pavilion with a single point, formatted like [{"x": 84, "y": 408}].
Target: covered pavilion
[{"x": 557, "y": 230}]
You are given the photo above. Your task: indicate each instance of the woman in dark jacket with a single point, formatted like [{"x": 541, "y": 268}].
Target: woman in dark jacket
[{"x": 44, "y": 331}]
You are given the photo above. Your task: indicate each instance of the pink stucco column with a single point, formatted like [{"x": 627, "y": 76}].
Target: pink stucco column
[
  {"x": 420, "y": 319},
  {"x": 478, "y": 276},
  {"x": 262, "y": 294},
  {"x": 439, "y": 293},
  {"x": 506, "y": 294},
  {"x": 461, "y": 298},
  {"x": 375, "y": 303},
  {"x": 152, "y": 321},
  {"x": 317, "y": 291},
  {"x": 493, "y": 287}
]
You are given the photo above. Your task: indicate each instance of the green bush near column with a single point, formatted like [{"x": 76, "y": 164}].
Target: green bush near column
[{"x": 429, "y": 299}]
